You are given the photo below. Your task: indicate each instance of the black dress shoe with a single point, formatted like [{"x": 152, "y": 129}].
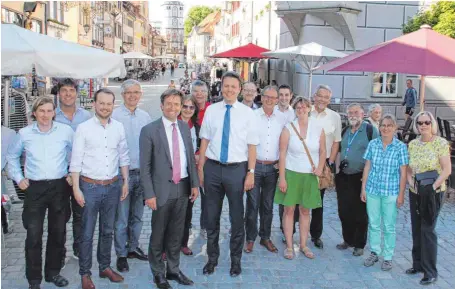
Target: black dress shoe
[
  {"x": 236, "y": 269},
  {"x": 412, "y": 271},
  {"x": 427, "y": 281},
  {"x": 318, "y": 243},
  {"x": 122, "y": 264},
  {"x": 209, "y": 268},
  {"x": 179, "y": 278},
  {"x": 58, "y": 280},
  {"x": 138, "y": 254},
  {"x": 34, "y": 286},
  {"x": 161, "y": 282}
]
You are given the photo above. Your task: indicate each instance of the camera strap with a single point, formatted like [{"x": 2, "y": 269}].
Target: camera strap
[{"x": 350, "y": 140}]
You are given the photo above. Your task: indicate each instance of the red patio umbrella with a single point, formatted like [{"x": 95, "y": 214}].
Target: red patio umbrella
[
  {"x": 424, "y": 52},
  {"x": 249, "y": 51}
]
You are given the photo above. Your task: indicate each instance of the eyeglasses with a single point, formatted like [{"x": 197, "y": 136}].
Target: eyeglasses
[
  {"x": 249, "y": 90},
  {"x": 427, "y": 122},
  {"x": 269, "y": 97},
  {"x": 190, "y": 107},
  {"x": 387, "y": 125},
  {"x": 133, "y": 92}
]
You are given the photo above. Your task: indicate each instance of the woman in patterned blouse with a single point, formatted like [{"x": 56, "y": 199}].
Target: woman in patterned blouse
[
  {"x": 383, "y": 186},
  {"x": 429, "y": 152}
]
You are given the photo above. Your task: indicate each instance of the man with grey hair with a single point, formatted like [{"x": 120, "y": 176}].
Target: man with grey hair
[
  {"x": 374, "y": 114},
  {"x": 249, "y": 93},
  {"x": 348, "y": 182},
  {"x": 260, "y": 199},
  {"x": 128, "y": 222},
  {"x": 331, "y": 122}
]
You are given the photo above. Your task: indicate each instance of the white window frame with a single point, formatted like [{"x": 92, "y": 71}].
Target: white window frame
[{"x": 384, "y": 85}]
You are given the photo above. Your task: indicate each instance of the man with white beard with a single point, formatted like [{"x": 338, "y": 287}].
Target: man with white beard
[{"x": 351, "y": 210}]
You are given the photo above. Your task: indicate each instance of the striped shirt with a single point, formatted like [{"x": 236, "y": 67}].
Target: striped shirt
[{"x": 384, "y": 176}]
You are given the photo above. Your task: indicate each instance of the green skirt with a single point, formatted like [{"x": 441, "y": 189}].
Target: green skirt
[{"x": 303, "y": 190}]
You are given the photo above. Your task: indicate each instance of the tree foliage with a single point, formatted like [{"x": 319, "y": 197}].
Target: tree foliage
[
  {"x": 440, "y": 16},
  {"x": 195, "y": 15}
]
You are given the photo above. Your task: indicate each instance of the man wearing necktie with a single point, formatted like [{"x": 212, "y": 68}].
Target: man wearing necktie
[
  {"x": 228, "y": 141},
  {"x": 169, "y": 178}
]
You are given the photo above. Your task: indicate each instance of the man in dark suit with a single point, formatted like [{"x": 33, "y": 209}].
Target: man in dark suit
[{"x": 169, "y": 177}]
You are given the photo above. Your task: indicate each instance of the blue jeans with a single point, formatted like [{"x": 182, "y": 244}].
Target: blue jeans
[
  {"x": 382, "y": 208},
  {"x": 128, "y": 222},
  {"x": 103, "y": 200}
]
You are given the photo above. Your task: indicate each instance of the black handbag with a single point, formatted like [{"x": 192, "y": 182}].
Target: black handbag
[{"x": 426, "y": 178}]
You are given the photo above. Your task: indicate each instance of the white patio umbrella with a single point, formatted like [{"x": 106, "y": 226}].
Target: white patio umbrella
[
  {"x": 136, "y": 55},
  {"x": 24, "y": 49},
  {"x": 309, "y": 56}
]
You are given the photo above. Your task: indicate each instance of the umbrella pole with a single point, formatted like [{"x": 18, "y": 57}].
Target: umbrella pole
[
  {"x": 422, "y": 92},
  {"x": 310, "y": 80},
  {"x": 6, "y": 102}
]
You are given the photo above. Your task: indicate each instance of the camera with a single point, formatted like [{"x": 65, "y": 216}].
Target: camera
[{"x": 343, "y": 164}]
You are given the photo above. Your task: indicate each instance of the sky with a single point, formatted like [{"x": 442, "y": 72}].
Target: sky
[{"x": 156, "y": 14}]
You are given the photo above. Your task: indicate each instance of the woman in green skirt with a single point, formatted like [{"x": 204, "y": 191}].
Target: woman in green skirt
[{"x": 298, "y": 180}]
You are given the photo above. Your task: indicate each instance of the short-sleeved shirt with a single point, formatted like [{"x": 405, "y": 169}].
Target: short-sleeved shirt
[
  {"x": 424, "y": 156},
  {"x": 353, "y": 147},
  {"x": 331, "y": 123},
  {"x": 384, "y": 176}
]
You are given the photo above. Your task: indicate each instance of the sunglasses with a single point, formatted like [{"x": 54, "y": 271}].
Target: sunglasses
[
  {"x": 427, "y": 122},
  {"x": 190, "y": 107}
]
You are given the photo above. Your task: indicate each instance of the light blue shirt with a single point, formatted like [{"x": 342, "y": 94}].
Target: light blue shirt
[
  {"x": 80, "y": 115},
  {"x": 46, "y": 153},
  {"x": 8, "y": 136},
  {"x": 133, "y": 124},
  {"x": 384, "y": 176}
]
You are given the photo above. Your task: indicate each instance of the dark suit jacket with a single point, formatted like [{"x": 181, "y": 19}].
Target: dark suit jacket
[{"x": 156, "y": 162}]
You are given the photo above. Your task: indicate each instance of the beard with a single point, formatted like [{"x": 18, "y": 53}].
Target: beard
[{"x": 354, "y": 121}]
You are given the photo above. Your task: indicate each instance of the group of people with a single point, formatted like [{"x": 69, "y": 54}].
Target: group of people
[{"x": 275, "y": 153}]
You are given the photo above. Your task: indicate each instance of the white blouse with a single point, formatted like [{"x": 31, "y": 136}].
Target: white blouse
[{"x": 296, "y": 157}]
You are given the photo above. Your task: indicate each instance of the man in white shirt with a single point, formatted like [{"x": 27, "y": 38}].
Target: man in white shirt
[
  {"x": 128, "y": 221},
  {"x": 260, "y": 198},
  {"x": 249, "y": 93},
  {"x": 228, "y": 139},
  {"x": 331, "y": 122},
  {"x": 99, "y": 149},
  {"x": 285, "y": 95}
]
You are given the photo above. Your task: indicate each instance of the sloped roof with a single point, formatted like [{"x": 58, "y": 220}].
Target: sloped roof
[{"x": 208, "y": 24}]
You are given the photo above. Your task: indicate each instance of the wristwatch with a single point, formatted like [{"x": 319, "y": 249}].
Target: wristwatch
[{"x": 251, "y": 171}]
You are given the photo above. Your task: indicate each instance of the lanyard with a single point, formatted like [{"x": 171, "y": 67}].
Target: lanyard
[{"x": 350, "y": 140}]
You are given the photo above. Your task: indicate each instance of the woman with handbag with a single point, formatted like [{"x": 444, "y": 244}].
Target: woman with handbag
[
  {"x": 302, "y": 161},
  {"x": 383, "y": 186},
  {"x": 429, "y": 168}
]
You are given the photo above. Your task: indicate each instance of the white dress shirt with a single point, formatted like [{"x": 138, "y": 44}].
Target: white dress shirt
[
  {"x": 243, "y": 131},
  {"x": 183, "y": 161},
  {"x": 99, "y": 151},
  {"x": 269, "y": 130},
  {"x": 331, "y": 123},
  {"x": 289, "y": 113},
  {"x": 296, "y": 158}
]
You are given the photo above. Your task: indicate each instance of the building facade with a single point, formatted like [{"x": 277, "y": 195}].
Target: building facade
[
  {"x": 16, "y": 13},
  {"x": 173, "y": 29}
]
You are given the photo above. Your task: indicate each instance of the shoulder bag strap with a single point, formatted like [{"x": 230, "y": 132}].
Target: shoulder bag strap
[{"x": 304, "y": 145}]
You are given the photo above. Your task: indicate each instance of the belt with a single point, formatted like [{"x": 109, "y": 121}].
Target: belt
[
  {"x": 135, "y": 171},
  {"x": 226, "y": 164},
  {"x": 267, "y": 163},
  {"x": 46, "y": 181},
  {"x": 99, "y": 182}
]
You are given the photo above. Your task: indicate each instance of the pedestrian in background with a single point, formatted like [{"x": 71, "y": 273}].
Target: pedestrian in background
[
  {"x": 410, "y": 99},
  {"x": 429, "y": 168},
  {"x": 302, "y": 159},
  {"x": 383, "y": 186}
]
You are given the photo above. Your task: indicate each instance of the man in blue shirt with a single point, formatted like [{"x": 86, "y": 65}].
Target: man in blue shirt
[
  {"x": 410, "y": 99},
  {"x": 8, "y": 135},
  {"x": 47, "y": 145},
  {"x": 68, "y": 113},
  {"x": 128, "y": 223},
  {"x": 351, "y": 210}
]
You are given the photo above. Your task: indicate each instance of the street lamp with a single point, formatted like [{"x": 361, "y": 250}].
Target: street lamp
[{"x": 86, "y": 28}]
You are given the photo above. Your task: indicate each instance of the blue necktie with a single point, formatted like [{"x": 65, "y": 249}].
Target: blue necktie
[{"x": 225, "y": 137}]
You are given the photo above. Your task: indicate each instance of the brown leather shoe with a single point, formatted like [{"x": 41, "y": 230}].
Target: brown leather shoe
[
  {"x": 87, "y": 282},
  {"x": 112, "y": 275},
  {"x": 268, "y": 245},
  {"x": 249, "y": 247}
]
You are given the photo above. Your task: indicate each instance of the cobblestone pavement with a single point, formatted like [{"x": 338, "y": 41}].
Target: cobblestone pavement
[{"x": 261, "y": 269}]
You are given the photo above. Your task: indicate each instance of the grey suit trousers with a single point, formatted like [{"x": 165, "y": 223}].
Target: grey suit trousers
[{"x": 168, "y": 222}]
